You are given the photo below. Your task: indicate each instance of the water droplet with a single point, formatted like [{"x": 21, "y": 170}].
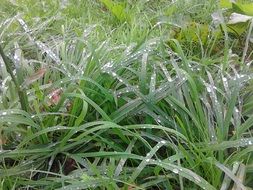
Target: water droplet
[
  {"x": 147, "y": 160},
  {"x": 163, "y": 142},
  {"x": 4, "y": 113},
  {"x": 175, "y": 171},
  {"x": 114, "y": 74},
  {"x": 250, "y": 143}
]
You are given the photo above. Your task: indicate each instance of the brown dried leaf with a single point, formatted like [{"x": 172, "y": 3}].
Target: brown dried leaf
[
  {"x": 55, "y": 96},
  {"x": 36, "y": 76}
]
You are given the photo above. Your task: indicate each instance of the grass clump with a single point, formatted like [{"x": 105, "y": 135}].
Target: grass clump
[{"x": 123, "y": 98}]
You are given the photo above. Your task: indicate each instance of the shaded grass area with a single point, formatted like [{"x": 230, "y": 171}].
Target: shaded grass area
[{"x": 153, "y": 99}]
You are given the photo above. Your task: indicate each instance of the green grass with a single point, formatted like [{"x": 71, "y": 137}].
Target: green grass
[{"x": 155, "y": 97}]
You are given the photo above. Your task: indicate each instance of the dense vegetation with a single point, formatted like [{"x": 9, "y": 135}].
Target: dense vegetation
[{"x": 130, "y": 94}]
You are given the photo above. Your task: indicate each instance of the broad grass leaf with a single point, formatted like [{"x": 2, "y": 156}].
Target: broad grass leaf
[
  {"x": 238, "y": 18},
  {"x": 230, "y": 174},
  {"x": 237, "y": 29},
  {"x": 117, "y": 9},
  {"x": 225, "y": 4},
  {"x": 246, "y": 9}
]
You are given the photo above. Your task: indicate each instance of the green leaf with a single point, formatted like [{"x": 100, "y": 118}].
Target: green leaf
[
  {"x": 246, "y": 9},
  {"x": 117, "y": 9},
  {"x": 82, "y": 115},
  {"x": 225, "y": 4},
  {"x": 238, "y": 18}
]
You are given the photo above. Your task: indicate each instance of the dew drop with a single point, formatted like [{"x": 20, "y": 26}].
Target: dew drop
[
  {"x": 208, "y": 89},
  {"x": 175, "y": 171},
  {"x": 224, "y": 79},
  {"x": 114, "y": 74},
  {"x": 163, "y": 142}
]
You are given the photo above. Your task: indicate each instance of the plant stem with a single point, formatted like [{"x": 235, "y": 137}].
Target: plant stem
[{"x": 21, "y": 92}]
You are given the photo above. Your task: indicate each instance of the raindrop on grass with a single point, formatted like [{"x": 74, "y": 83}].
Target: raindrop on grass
[
  {"x": 114, "y": 74},
  {"x": 175, "y": 171},
  {"x": 208, "y": 89},
  {"x": 224, "y": 79}
]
